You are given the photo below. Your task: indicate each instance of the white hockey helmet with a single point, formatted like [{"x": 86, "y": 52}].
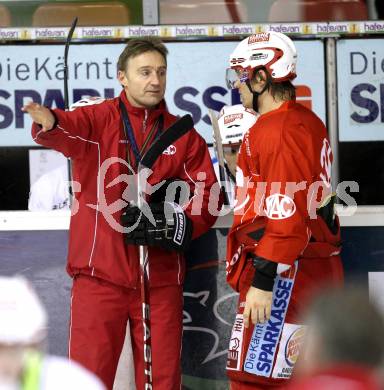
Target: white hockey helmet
[
  {"x": 88, "y": 101},
  {"x": 23, "y": 319},
  {"x": 234, "y": 121},
  {"x": 272, "y": 50}
]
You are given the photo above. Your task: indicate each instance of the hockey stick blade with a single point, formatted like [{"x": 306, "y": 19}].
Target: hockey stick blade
[
  {"x": 219, "y": 153},
  {"x": 167, "y": 138},
  {"x": 67, "y": 43},
  {"x": 217, "y": 138}
]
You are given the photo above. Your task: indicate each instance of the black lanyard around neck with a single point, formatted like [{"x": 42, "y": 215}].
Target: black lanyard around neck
[{"x": 130, "y": 137}]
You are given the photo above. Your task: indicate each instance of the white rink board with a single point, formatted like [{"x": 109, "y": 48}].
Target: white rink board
[
  {"x": 59, "y": 219},
  {"x": 360, "y": 73},
  {"x": 196, "y": 72}
]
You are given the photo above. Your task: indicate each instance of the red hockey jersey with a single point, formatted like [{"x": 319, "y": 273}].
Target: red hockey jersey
[{"x": 283, "y": 177}]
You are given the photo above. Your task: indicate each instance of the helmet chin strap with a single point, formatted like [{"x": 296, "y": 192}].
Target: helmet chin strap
[{"x": 255, "y": 100}]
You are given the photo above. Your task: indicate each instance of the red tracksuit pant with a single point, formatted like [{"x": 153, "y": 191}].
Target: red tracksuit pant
[{"x": 99, "y": 314}]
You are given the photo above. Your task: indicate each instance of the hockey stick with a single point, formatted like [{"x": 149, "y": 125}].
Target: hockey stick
[
  {"x": 218, "y": 146},
  {"x": 66, "y": 101},
  {"x": 67, "y": 43},
  {"x": 172, "y": 134}
]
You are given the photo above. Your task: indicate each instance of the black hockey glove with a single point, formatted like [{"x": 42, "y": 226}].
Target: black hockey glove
[
  {"x": 172, "y": 230},
  {"x": 265, "y": 273}
]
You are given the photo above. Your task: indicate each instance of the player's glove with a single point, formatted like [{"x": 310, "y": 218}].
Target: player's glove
[{"x": 172, "y": 229}]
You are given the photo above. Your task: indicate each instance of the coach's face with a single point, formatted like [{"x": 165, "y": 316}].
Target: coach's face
[{"x": 144, "y": 79}]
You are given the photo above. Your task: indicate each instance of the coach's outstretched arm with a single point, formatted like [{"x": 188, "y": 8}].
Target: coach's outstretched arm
[{"x": 69, "y": 132}]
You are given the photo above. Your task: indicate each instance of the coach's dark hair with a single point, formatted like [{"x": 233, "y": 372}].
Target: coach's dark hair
[
  {"x": 283, "y": 90},
  {"x": 138, "y": 46}
]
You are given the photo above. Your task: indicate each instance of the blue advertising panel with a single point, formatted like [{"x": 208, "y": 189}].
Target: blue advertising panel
[
  {"x": 196, "y": 80},
  {"x": 360, "y": 72}
]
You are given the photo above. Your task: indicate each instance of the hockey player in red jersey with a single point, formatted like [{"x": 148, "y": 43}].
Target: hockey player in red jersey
[{"x": 285, "y": 240}]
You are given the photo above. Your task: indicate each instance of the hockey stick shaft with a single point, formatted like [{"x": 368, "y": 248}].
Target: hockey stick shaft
[
  {"x": 167, "y": 138},
  {"x": 219, "y": 154},
  {"x": 66, "y": 100},
  {"x": 146, "y": 316}
]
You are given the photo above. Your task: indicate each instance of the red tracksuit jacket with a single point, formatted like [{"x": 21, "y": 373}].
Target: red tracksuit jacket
[{"x": 90, "y": 136}]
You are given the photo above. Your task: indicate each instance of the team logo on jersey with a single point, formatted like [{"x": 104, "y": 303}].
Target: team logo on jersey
[
  {"x": 292, "y": 348},
  {"x": 278, "y": 206},
  {"x": 232, "y": 117},
  {"x": 170, "y": 151},
  {"x": 291, "y": 341},
  {"x": 261, "y": 37}
]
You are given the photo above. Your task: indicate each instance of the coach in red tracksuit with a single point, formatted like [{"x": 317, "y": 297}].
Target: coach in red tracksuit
[{"x": 101, "y": 142}]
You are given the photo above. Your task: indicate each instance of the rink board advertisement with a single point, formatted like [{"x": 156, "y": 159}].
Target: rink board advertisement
[
  {"x": 360, "y": 74},
  {"x": 196, "y": 80}
]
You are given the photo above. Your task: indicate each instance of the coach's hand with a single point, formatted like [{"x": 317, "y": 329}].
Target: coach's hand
[
  {"x": 41, "y": 115},
  {"x": 258, "y": 304}
]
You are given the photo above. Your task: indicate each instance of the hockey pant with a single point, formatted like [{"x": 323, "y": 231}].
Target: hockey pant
[{"x": 263, "y": 356}]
